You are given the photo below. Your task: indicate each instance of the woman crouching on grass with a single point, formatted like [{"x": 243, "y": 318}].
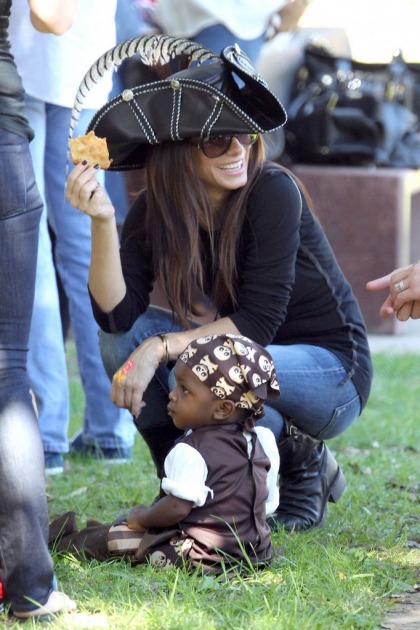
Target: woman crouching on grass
[{"x": 220, "y": 225}]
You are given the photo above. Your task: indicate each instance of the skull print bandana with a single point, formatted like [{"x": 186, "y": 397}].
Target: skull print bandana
[{"x": 234, "y": 367}]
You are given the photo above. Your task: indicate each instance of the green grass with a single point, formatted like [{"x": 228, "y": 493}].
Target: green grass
[{"x": 343, "y": 576}]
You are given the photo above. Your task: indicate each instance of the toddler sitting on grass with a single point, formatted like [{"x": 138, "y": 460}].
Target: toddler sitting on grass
[{"x": 220, "y": 478}]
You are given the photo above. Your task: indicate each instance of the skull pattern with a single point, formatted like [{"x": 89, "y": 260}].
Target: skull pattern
[{"x": 234, "y": 367}]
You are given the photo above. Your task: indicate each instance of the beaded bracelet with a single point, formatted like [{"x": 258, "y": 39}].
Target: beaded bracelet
[{"x": 165, "y": 358}]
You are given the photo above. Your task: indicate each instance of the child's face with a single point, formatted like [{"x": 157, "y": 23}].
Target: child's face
[{"x": 191, "y": 403}]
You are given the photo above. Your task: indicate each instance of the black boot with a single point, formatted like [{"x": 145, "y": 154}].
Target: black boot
[
  {"x": 160, "y": 440},
  {"x": 309, "y": 477}
]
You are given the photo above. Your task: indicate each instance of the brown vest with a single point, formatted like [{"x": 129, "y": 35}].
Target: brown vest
[{"x": 233, "y": 522}]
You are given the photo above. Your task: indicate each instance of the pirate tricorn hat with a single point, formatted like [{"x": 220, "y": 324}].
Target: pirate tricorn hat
[{"x": 213, "y": 95}]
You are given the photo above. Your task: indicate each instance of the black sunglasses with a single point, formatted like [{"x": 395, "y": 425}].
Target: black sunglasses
[{"x": 215, "y": 146}]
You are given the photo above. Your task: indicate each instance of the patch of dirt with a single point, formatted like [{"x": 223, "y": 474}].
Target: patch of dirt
[{"x": 405, "y": 613}]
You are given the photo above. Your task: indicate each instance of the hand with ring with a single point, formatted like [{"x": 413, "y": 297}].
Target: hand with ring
[
  {"x": 400, "y": 286},
  {"x": 404, "y": 292}
]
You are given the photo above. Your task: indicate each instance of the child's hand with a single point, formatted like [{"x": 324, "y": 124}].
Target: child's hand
[
  {"x": 166, "y": 512},
  {"x": 120, "y": 520},
  {"x": 134, "y": 520}
]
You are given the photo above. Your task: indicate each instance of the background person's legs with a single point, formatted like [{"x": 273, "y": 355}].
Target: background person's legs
[
  {"x": 106, "y": 428},
  {"x": 25, "y": 564}
]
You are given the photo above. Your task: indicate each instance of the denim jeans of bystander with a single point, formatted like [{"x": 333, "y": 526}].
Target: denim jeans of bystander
[{"x": 25, "y": 563}]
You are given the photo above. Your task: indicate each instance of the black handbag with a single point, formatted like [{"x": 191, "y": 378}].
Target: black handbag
[
  {"x": 347, "y": 112},
  {"x": 414, "y": 73}
]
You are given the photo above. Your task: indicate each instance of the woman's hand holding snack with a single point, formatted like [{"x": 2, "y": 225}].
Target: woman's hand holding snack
[{"x": 84, "y": 192}]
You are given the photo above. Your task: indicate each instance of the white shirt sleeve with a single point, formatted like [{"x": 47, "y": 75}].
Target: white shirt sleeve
[
  {"x": 185, "y": 475},
  {"x": 268, "y": 442}
]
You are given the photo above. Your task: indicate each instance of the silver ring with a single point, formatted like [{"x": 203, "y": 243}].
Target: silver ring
[{"x": 400, "y": 286}]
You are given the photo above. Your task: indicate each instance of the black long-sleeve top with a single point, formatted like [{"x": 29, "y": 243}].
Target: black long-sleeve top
[{"x": 290, "y": 287}]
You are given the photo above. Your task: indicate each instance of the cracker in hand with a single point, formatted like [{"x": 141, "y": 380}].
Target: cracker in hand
[{"x": 90, "y": 148}]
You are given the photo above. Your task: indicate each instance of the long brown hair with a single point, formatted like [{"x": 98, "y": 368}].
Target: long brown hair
[{"x": 179, "y": 212}]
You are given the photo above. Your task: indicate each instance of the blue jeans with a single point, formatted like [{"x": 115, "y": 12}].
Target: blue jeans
[
  {"x": 25, "y": 564},
  {"x": 314, "y": 391},
  {"x": 103, "y": 423}
]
